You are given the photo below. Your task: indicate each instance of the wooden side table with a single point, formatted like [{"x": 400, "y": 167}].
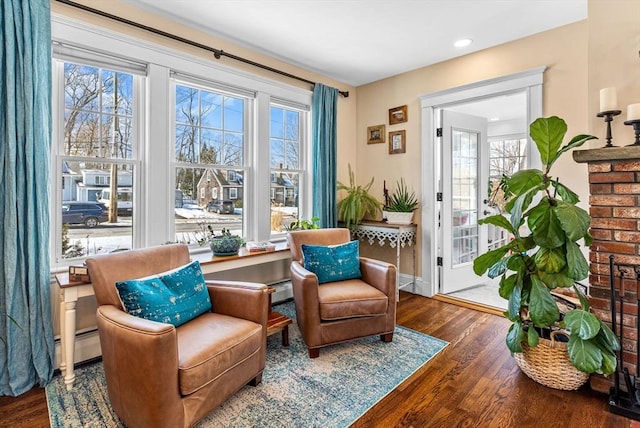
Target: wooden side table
[
  {"x": 69, "y": 291},
  {"x": 277, "y": 322}
]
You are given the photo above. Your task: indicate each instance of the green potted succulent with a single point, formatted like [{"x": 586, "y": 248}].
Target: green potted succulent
[
  {"x": 358, "y": 202},
  {"x": 222, "y": 243},
  {"x": 547, "y": 226},
  {"x": 400, "y": 205}
]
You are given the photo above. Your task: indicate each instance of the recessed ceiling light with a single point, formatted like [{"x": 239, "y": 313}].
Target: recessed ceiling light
[
  {"x": 494, "y": 119},
  {"x": 462, "y": 43}
]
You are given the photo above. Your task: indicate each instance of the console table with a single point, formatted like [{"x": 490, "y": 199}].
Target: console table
[
  {"x": 395, "y": 235},
  {"x": 71, "y": 291}
]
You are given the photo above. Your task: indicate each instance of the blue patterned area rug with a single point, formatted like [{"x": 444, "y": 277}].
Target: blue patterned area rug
[{"x": 330, "y": 391}]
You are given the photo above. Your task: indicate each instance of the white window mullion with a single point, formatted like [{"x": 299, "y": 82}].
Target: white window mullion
[
  {"x": 261, "y": 177},
  {"x": 306, "y": 164},
  {"x": 55, "y": 194},
  {"x": 157, "y": 193}
]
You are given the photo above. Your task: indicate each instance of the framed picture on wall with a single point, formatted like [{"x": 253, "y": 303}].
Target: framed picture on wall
[
  {"x": 397, "y": 142},
  {"x": 398, "y": 115},
  {"x": 375, "y": 134}
]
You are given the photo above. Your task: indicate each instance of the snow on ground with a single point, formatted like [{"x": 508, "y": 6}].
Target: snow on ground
[{"x": 193, "y": 213}]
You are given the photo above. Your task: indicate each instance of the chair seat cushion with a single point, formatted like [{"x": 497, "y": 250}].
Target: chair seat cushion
[
  {"x": 212, "y": 344},
  {"x": 350, "y": 299}
]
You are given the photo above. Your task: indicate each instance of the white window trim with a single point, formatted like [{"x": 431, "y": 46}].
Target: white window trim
[
  {"x": 57, "y": 157},
  {"x": 155, "y": 198}
]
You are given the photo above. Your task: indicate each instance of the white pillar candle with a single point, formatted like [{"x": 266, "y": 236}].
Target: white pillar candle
[
  {"x": 608, "y": 99},
  {"x": 633, "y": 111}
]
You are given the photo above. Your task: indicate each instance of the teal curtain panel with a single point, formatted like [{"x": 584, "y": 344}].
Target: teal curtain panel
[
  {"x": 26, "y": 348},
  {"x": 324, "y": 126}
]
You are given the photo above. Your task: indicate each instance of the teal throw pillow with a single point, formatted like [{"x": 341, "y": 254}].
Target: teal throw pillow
[
  {"x": 172, "y": 297},
  {"x": 333, "y": 263}
]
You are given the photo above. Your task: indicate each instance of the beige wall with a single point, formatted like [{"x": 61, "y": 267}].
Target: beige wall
[
  {"x": 563, "y": 51},
  {"x": 581, "y": 58},
  {"x": 614, "y": 60}
]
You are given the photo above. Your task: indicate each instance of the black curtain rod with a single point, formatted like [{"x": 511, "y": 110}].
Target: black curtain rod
[{"x": 217, "y": 53}]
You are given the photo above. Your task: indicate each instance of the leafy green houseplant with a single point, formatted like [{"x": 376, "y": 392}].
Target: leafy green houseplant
[
  {"x": 400, "y": 205},
  {"x": 303, "y": 224},
  {"x": 544, "y": 254},
  {"x": 358, "y": 202}
]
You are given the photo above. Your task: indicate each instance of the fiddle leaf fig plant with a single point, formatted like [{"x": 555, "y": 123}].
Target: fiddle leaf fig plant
[{"x": 547, "y": 227}]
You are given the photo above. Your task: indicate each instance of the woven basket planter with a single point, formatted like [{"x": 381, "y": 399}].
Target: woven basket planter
[{"x": 549, "y": 364}]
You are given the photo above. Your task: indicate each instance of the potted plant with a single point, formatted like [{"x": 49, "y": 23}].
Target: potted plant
[
  {"x": 357, "y": 203},
  {"x": 303, "y": 224},
  {"x": 400, "y": 205},
  {"x": 222, "y": 243},
  {"x": 544, "y": 254}
]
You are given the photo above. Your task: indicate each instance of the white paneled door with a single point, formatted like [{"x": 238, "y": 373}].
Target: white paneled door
[{"x": 465, "y": 177}]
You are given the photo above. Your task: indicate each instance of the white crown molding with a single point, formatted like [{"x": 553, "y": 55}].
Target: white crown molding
[{"x": 515, "y": 81}]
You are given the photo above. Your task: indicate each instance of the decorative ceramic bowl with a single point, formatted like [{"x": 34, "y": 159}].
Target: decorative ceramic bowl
[{"x": 225, "y": 246}]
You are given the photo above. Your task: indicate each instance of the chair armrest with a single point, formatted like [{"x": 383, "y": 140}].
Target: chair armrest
[
  {"x": 140, "y": 357},
  {"x": 305, "y": 296},
  {"x": 246, "y": 300},
  {"x": 133, "y": 324},
  {"x": 305, "y": 286},
  {"x": 379, "y": 274}
]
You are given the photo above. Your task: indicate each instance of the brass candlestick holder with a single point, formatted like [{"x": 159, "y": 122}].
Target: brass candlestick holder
[
  {"x": 608, "y": 118},
  {"x": 636, "y": 128}
]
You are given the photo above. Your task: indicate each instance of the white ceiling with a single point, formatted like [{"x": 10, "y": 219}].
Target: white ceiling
[{"x": 361, "y": 41}]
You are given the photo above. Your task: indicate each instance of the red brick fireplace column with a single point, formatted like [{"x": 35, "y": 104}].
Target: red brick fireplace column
[{"x": 614, "y": 205}]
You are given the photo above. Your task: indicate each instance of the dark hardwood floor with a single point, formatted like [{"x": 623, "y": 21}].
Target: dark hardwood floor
[{"x": 474, "y": 382}]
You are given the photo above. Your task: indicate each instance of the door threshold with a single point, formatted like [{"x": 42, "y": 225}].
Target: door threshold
[{"x": 468, "y": 304}]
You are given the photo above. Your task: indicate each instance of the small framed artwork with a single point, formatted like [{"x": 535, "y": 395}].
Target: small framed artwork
[
  {"x": 397, "y": 142},
  {"x": 398, "y": 115},
  {"x": 375, "y": 134}
]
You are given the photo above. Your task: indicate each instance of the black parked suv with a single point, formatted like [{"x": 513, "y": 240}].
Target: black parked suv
[
  {"x": 87, "y": 213},
  {"x": 221, "y": 207}
]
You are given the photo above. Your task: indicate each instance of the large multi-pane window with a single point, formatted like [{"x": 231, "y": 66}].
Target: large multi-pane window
[
  {"x": 96, "y": 158},
  {"x": 209, "y": 158},
  {"x": 284, "y": 158},
  {"x": 152, "y": 147}
]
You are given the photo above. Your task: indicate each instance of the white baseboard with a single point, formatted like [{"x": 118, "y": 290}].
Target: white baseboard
[
  {"x": 418, "y": 287},
  {"x": 87, "y": 347},
  {"x": 284, "y": 291}
]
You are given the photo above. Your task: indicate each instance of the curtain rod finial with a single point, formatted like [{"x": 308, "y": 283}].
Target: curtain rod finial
[{"x": 344, "y": 93}]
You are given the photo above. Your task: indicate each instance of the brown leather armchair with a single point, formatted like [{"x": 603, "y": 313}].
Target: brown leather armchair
[
  {"x": 335, "y": 312},
  {"x": 159, "y": 375}
]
